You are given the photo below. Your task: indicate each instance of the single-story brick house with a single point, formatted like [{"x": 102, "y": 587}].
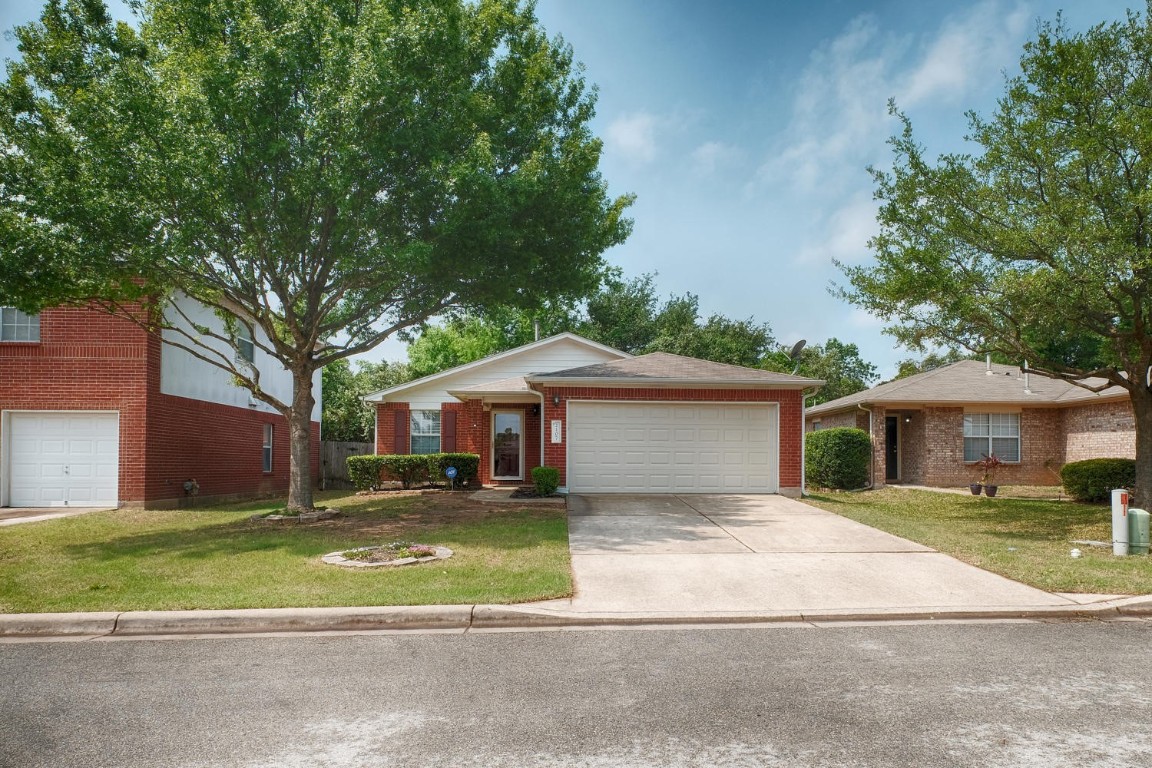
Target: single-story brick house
[
  {"x": 96, "y": 411},
  {"x": 930, "y": 429},
  {"x": 609, "y": 422}
]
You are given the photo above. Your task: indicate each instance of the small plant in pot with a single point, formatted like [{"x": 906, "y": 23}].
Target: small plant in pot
[{"x": 988, "y": 466}]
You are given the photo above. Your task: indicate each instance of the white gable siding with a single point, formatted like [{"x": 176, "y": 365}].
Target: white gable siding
[
  {"x": 560, "y": 356},
  {"x": 184, "y": 375}
]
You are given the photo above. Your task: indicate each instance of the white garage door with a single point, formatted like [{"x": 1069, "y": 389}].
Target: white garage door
[
  {"x": 61, "y": 459},
  {"x": 672, "y": 448}
]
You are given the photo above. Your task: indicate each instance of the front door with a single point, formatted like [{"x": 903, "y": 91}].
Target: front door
[
  {"x": 891, "y": 448},
  {"x": 507, "y": 445}
]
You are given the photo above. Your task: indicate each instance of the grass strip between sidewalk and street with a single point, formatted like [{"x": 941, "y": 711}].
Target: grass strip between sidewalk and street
[
  {"x": 217, "y": 558},
  {"x": 1029, "y": 540}
]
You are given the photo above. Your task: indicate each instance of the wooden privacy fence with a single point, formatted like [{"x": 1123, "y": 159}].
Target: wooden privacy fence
[{"x": 334, "y": 462}]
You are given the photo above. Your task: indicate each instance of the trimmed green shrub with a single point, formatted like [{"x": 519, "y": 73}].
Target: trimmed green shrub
[
  {"x": 1094, "y": 479},
  {"x": 547, "y": 480},
  {"x": 467, "y": 467},
  {"x": 364, "y": 471},
  {"x": 837, "y": 458},
  {"x": 408, "y": 468}
]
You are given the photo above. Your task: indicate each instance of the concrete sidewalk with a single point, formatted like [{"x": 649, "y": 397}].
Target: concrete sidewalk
[{"x": 664, "y": 561}]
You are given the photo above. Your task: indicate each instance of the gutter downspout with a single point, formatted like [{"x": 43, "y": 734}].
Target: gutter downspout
[
  {"x": 540, "y": 394},
  {"x": 872, "y": 455},
  {"x": 804, "y": 395}
]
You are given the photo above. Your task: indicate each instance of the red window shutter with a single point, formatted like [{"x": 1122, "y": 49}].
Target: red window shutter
[
  {"x": 400, "y": 440},
  {"x": 448, "y": 431}
]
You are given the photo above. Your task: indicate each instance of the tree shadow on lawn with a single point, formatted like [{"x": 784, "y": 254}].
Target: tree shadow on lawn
[{"x": 364, "y": 524}]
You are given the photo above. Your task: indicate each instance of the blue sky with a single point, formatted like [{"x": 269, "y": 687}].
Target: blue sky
[{"x": 745, "y": 128}]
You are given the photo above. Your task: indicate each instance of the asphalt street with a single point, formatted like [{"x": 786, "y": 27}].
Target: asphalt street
[{"x": 964, "y": 694}]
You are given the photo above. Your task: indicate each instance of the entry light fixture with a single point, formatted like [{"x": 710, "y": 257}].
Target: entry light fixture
[{"x": 555, "y": 399}]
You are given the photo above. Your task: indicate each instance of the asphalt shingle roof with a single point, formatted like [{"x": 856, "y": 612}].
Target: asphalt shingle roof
[
  {"x": 968, "y": 381},
  {"x": 663, "y": 365}
]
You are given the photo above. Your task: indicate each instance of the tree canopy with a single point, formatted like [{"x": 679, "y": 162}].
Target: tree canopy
[
  {"x": 327, "y": 172},
  {"x": 625, "y": 314},
  {"x": 1038, "y": 247},
  {"x": 838, "y": 364},
  {"x": 347, "y": 418}
]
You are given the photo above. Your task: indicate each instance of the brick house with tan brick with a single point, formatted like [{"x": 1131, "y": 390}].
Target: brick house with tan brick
[
  {"x": 609, "y": 422},
  {"x": 931, "y": 428},
  {"x": 96, "y": 411}
]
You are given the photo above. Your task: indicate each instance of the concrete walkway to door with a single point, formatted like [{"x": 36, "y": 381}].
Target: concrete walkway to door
[{"x": 727, "y": 554}]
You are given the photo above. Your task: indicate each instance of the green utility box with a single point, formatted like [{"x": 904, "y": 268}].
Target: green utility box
[{"x": 1137, "y": 532}]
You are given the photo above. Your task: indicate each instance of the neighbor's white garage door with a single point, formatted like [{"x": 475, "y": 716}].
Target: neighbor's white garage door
[
  {"x": 63, "y": 459},
  {"x": 616, "y": 447}
]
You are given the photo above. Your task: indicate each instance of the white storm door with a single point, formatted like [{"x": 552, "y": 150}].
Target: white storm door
[{"x": 60, "y": 459}]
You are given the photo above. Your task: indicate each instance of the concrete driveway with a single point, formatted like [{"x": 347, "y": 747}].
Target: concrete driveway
[{"x": 756, "y": 554}]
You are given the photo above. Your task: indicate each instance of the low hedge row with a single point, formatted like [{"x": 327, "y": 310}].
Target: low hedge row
[
  {"x": 837, "y": 458},
  {"x": 367, "y": 472},
  {"x": 1094, "y": 479}
]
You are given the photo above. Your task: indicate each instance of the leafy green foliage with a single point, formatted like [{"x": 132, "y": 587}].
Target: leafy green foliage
[
  {"x": 1036, "y": 247},
  {"x": 838, "y": 364},
  {"x": 368, "y": 472},
  {"x": 930, "y": 362},
  {"x": 837, "y": 458},
  {"x": 330, "y": 172},
  {"x": 1095, "y": 479},
  {"x": 346, "y": 416},
  {"x": 547, "y": 480},
  {"x": 626, "y": 315}
]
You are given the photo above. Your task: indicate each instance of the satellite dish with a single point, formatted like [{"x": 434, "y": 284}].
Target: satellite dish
[{"x": 794, "y": 355}]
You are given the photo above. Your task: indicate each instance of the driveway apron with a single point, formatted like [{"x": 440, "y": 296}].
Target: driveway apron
[{"x": 735, "y": 554}]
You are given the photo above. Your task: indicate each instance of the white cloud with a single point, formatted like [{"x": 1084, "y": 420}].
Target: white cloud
[
  {"x": 845, "y": 234},
  {"x": 710, "y": 155},
  {"x": 968, "y": 50},
  {"x": 633, "y": 136}
]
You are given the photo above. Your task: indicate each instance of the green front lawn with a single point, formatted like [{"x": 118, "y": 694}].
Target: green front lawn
[
  {"x": 1028, "y": 540},
  {"x": 216, "y": 557}
]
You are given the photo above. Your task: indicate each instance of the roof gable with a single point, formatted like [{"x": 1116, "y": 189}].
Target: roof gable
[
  {"x": 664, "y": 367},
  {"x": 502, "y": 361}
]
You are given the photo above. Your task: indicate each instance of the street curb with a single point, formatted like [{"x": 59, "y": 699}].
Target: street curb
[{"x": 495, "y": 617}]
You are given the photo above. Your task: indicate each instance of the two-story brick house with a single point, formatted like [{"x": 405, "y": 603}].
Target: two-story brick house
[{"x": 96, "y": 411}]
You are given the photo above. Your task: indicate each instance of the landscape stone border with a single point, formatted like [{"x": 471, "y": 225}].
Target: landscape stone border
[
  {"x": 306, "y": 517},
  {"x": 337, "y": 558}
]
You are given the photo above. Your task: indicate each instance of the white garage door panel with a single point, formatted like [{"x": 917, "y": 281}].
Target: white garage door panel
[
  {"x": 638, "y": 448},
  {"x": 63, "y": 459}
]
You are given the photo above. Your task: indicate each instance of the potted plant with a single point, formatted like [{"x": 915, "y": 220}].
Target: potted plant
[{"x": 988, "y": 466}]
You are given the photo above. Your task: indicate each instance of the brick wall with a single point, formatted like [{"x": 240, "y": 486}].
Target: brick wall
[
  {"x": 854, "y": 419},
  {"x": 555, "y": 454},
  {"x": 90, "y": 360},
  {"x": 1100, "y": 430},
  {"x": 1041, "y": 449}
]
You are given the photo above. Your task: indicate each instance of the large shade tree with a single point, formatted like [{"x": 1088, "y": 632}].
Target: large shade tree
[
  {"x": 1037, "y": 247},
  {"x": 325, "y": 173}
]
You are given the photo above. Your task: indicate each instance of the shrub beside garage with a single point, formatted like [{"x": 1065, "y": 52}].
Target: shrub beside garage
[{"x": 837, "y": 458}]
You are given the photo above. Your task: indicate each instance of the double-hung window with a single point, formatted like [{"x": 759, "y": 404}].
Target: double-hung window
[
  {"x": 988, "y": 433},
  {"x": 267, "y": 448},
  {"x": 425, "y": 432},
  {"x": 18, "y": 326},
  {"x": 245, "y": 347}
]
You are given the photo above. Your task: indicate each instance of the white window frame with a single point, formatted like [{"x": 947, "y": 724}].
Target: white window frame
[
  {"x": 266, "y": 448},
  {"x": 13, "y": 321},
  {"x": 245, "y": 345},
  {"x": 429, "y": 421},
  {"x": 989, "y": 428}
]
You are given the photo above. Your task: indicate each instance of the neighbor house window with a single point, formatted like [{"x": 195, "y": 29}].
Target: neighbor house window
[
  {"x": 267, "y": 448},
  {"x": 988, "y": 433},
  {"x": 18, "y": 326},
  {"x": 245, "y": 348},
  {"x": 425, "y": 431}
]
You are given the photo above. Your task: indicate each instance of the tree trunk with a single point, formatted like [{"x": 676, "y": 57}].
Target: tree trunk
[
  {"x": 300, "y": 434},
  {"x": 1142, "y": 410}
]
